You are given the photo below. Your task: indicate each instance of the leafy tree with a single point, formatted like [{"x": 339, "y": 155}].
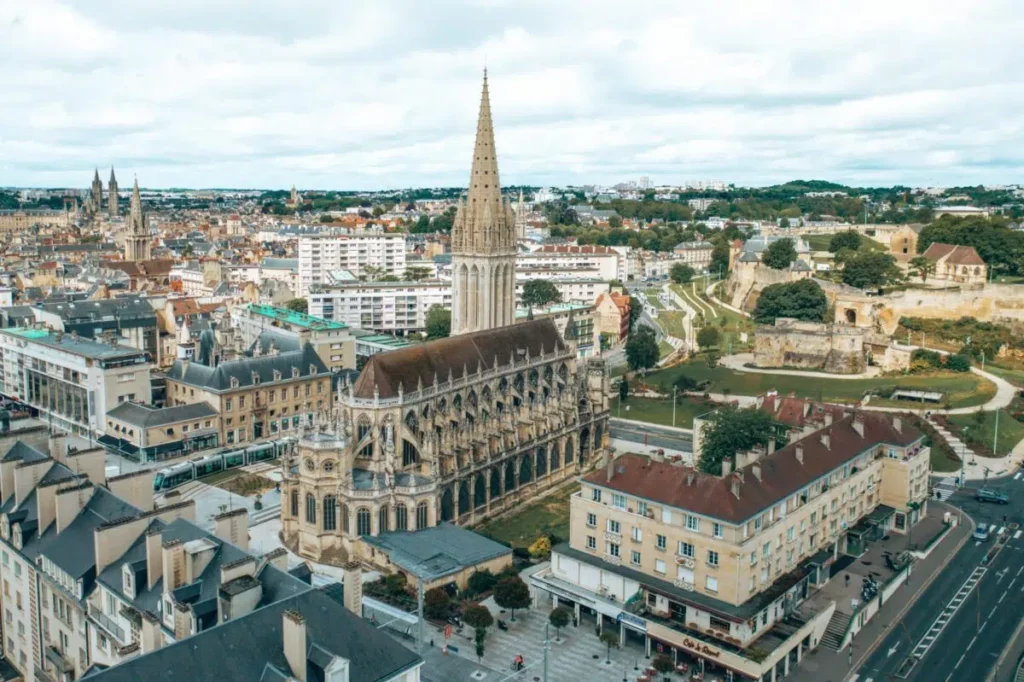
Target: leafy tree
[
  {"x": 664, "y": 665},
  {"x": 707, "y": 337},
  {"x": 681, "y": 273},
  {"x": 299, "y": 305},
  {"x": 642, "y": 350},
  {"x": 802, "y": 299},
  {"x": 540, "y": 292},
  {"x": 439, "y": 322},
  {"x": 784, "y": 223},
  {"x": 958, "y": 363},
  {"x": 415, "y": 274},
  {"x": 870, "y": 269},
  {"x": 844, "y": 240},
  {"x": 636, "y": 309},
  {"x": 541, "y": 548},
  {"x": 609, "y": 638},
  {"x": 923, "y": 266},
  {"x": 559, "y": 618},
  {"x": 395, "y": 584},
  {"x": 730, "y": 431},
  {"x": 512, "y": 593},
  {"x": 615, "y": 222},
  {"x": 998, "y": 245},
  {"x": 624, "y": 389},
  {"x": 720, "y": 258},
  {"x": 479, "y": 618},
  {"x": 326, "y": 218},
  {"x": 685, "y": 383},
  {"x": 481, "y": 581},
  {"x": 780, "y": 254},
  {"x": 437, "y": 604}
]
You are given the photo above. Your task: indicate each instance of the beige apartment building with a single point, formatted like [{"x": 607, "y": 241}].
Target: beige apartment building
[{"x": 716, "y": 567}]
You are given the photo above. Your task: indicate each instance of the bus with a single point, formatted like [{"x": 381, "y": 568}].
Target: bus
[{"x": 231, "y": 458}]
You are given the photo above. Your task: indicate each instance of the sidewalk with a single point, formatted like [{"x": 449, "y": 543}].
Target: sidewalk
[{"x": 825, "y": 664}]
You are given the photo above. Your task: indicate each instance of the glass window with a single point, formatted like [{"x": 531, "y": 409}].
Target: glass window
[
  {"x": 686, "y": 549},
  {"x": 716, "y": 529},
  {"x": 612, "y": 548},
  {"x": 591, "y": 542},
  {"x": 661, "y": 541},
  {"x": 618, "y": 501},
  {"x": 666, "y": 516},
  {"x": 711, "y": 583},
  {"x": 692, "y": 522},
  {"x": 712, "y": 557},
  {"x": 635, "y": 558},
  {"x": 641, "y": 508},
  {"x": 638, "y": 534},
  {"x": 592, "y": 520},
  {"x": 596, "y": 495},
  {"x": 659, "y": 566},
  {"x": 613, "y": 526}
]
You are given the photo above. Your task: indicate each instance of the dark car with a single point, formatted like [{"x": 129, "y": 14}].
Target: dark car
[{"x": 986, "y": 495}]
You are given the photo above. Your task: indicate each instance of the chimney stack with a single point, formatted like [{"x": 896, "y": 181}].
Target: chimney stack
[
  {"x": 858, "y": 424},
  {"x": 800, "y": 452},
  {"x": 826, "y": 440},
  {"x": 726, "y": 467},
  {"x": 353, "y": 587},
  {"x": 736, "y": 487},
  {"x": 771, "y": 445},
  {"x": 294, "y": 635},
  {"x": 610, "y": 467},
  {"x": 828, "y": 419},
  {"x": 807, "y": 408},
  {"x": 756, "y": 470},
  {"x": 691, "y": 476},
  {"x": 897, "y": 423}
]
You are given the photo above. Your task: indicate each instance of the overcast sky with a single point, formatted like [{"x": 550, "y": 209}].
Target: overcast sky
[{"x": 384, "y": 93}]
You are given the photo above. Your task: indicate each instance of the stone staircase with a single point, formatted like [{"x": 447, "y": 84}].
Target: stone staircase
[
  {"x": 958, "y": 445},
  {"x": 835, "y": 630}
]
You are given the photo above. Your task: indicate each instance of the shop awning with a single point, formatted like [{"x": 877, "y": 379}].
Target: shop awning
[{"x": 880, "y": 515}]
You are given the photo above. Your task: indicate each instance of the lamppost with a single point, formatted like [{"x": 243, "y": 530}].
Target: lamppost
[{"x": 675, "y": 389}]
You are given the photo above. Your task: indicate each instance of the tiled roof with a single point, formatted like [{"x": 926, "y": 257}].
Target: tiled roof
[{"x": 955, "y": 255}]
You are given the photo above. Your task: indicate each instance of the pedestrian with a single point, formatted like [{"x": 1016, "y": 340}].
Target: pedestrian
[{"x": 847, "y": 579}]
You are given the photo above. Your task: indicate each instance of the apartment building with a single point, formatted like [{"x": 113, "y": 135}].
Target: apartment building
[
  {"x": 608, "y": 263},
  {"x": 581, "y": 290},
  {"x": 696, "y": 254},
  {"x": 576, "y": 321},
  {"x": 148, "y": 434},
  {"x": 23, "y": 219},
  {"x": 392, "y": 307},
  {"x": 715, "y": 568},
  {"x": 72, "y": 381},
  {"x": 93, "y": 575},
  {"x": 132, "y": 320},
  {"x": 256, "y": 397},
  {"x": 266, "y": 327},
  {"x": 361, "y": 254}
]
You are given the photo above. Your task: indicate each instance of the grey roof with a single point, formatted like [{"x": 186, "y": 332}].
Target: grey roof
[
  {"x": 243, "y": 649},
  {"x": 146, "y": 416},
  {"x": 219, "y": 378},
  {"x": 437, "y": 551},
  {"x": 280, "y": 264},
  {"x": 281, "y": 340},
  {"x": 73, "y": 550},
  {"x": 23, "y": 452},
  {"x": 124, "y": 309},
  {"x": 760, "y": 243},
  {"x": 799, "y": 266},
  {"x": 77, "y": 346}
]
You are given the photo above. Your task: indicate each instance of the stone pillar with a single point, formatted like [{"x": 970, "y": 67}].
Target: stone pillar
[
  {"x": 622, "y": 635},
  {"x": 576, "y": 613},
  {"x": 647, "y": 647}
]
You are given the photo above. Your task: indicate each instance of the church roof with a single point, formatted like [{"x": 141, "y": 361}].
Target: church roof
[{"x": 425, "y": 362}]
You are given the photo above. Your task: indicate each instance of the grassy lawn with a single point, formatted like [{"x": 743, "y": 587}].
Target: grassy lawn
[
  {"x": 672, "y": 323},
  {"x": 962, "y": 390},
  {"x": 548, "y": 516},
  {"x": 729, "y": 324},
  {"x": 820, "y": 242},
  {"x": 943, "y": 463},
  {"x": 659, "y": 410},
  {"x": 980, "y": 434},
  {"x": 1014, "y": 376},
  {"x": 665, "y": 349}
]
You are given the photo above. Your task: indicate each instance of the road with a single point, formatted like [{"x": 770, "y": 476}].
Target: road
[
  {"x": 969, "y": 614},
  {"x": 650, "y": 435}
]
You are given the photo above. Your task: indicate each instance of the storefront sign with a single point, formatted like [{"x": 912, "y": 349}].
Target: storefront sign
[
  {"x": 633, "y": 621},
  {"x": 701, "y": 648}
]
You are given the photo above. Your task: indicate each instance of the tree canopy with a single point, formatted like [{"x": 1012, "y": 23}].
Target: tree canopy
[
  {"x": 681, "y": 273},
  {"x": 299, "y": 305},
  {"x": 802, "y": 299},
  {"x": 720, "y": 258},
  {"x": 866, "y": 269},
  {"x": 730, "y": 431},
  {"x": 540, "y": 292},
  {"x": 999, "y": 246},
  {"x": 439, "y": 322},
  {"x": 708, "y": 337},
  {"x": 512, "y": 593},
  {"x": 844, "y": 240},
  {"x": 642, "y": 350},
  {"x": 780, "y": 254}
]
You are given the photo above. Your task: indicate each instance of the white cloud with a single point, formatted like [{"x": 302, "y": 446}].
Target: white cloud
[{"x": 385, "y": 94}]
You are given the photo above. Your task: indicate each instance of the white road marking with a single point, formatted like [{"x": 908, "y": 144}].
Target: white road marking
[
  {"x": 1011, "y": 583},
  {"x": 962, "y": 656},
  {"x": 1002, "y": 529},
  {"x": 973, "y": 640},
  {"x": 1016, "y": 536},
  {"x": 991, "y": 527},
  {"x": 1001, "y": 598},
  {"x": 983, "y": 626},
  {"x": 893, "y": 650},
  {"x": 1017, "y": 477}
]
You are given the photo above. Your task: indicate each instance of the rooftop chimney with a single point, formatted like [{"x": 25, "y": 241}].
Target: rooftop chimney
[
  {"x": 691, "y": 476},
  {"x": 800, "y": 452},
  {"x": 807, "y": 408},
  {"x": 726, "y": 467},
  {"x": 828, "y": 419},
  {"x": 353, "y": 587},
  {"x": 756, "y": 470},
  {"x": 771, "y": 446},
  {"x": 858, "y": 424},
  {"x": 610, "y": 467},
  {"x": 735, "y": 487},
  {"x": 826, "y": 440},
  {"x": 897, "y": 423},
  {"x": 294, "y": 635}
]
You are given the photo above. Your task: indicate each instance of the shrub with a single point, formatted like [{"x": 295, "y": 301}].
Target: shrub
[
  {"x": 541, "y": 548},
  {"x": 481, "y": 581},
  {"x": 958, "y": 363}
]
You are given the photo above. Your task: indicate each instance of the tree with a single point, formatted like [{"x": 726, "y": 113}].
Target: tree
[
  {"x": 478, "y": 618},
  {"x": 299, "y": 305},
  {"x": 541, "y": 548},
  {"x": 844, "y": 240},
  {"x": 730, "y": 431},
  {"x": 780, "y": 254},
  {"x": 870, "y": 269},
  {"x": 481, "y": 581},
  {"x": 802, "y": 299},
  {"x": 540, "y": 292},
  {"x": 437, "y": 604},
  {"x": 642, "y": 350},
  {"x": 615, "y": 222},
  {"x": 415, "y": 274},
  {"x": 609, "y": 638},
  {"x": 559, "y": 618},
  {"x": 664, "y": 665},
  {"x": 707, "y": 337},
  {"x": 439, "y": 322},
  {"x": 681, "y": 273},
  {"x": 623, "y": 389},
  {"x": 720, "y": 258},
  {"x": 923, "y": 266},
  {"x": 512, "y": 593},
  {"x": 636, "y": 309},
  {"x": 958, "y": 363}
]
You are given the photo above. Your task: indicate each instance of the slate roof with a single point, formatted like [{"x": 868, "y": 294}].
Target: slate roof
[
  {"x": 77, "y": 346},
  {"x": 456, "y": 354},
  {"x": 782, "y": 474},
  {"x": 282, "y": 341},
  {"x": 219, "y": 378},
  {"x": 146, "y": 416},
  {"x": 91, "y": 311},
  {"x": 246, "y": 648},
  {"x": 23, "y": 452},
  {"x": 437, "y": 551},
  {"x": 955, "y": 255}
]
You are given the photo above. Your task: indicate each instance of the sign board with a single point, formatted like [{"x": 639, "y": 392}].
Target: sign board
[{"x": 632, "y": 621}]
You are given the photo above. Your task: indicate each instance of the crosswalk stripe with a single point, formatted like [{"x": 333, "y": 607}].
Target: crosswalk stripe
[
  {"x": 1016, "y": 536},
  {"x": 991, "y": 528},
  {"x": 1002, "y": 529}
]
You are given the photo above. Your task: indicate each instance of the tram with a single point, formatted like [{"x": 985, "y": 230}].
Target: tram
[{"x": 231, "y": 458}]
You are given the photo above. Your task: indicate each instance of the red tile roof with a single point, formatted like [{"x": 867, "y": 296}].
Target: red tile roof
[{"x": 957, "y": 255}]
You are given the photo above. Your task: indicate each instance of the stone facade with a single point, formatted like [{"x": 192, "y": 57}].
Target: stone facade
[{"x": 809, "y": 345}]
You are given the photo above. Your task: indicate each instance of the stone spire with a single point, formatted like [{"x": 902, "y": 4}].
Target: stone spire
[
  {"x": 137, "y": 218},
  {"x": 112, "y": 207},
  {"x": 137, "y": 246},
  {"x": 97, "y": 191}
]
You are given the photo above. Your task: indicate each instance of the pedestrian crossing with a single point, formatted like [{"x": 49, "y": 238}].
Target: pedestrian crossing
[
  {"x": 856, "y": 678},
  {"x": 945, "y": 488}
]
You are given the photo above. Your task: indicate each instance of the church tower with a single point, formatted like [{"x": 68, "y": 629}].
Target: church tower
[
  {"x": 483, "y": 241},
  {"x": 136, "y": 245},
  {"x": 112, "y": 208},
  {"x": 97, "y": 192}
]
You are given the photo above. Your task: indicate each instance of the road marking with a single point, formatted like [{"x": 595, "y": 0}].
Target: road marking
[
  {"x": 1011, "y": 583},
  {"x": 983, "y": 626},
  {"x": 1002, "y": 529},
  {"x": 1002, "y": 597},
  {"x": 1020, "y": 569},
  {"x": 991, "y": 528},
  {"x": 1016, "y": 536},
  {"x": 962, "y": 657},
  {"x": 893, "y": 649},
  {"x": 1017, "y": 477},
  {"x": 973, "y": 640}
]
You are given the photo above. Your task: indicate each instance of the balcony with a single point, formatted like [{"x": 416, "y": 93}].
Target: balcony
[
  {"x": 105, "y": 622},
  {"x": 61, "y": 663}
]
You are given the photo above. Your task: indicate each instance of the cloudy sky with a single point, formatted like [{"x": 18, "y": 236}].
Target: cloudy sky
[{"x": 383, "y": 94}]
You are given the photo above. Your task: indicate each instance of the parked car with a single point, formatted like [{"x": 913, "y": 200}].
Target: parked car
[
  {"x": 981, "y": 533},
  {"x": 986, "y": 495}
]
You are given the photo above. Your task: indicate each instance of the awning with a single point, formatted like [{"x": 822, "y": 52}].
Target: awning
[
  {"x": 880, "y": 515},
  {"x": 822, "y": 558},
  {"x": 118, "y": 444}
]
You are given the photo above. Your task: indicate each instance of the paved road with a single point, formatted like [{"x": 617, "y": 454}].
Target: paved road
[
  {"x": 656, "y": 436},
  {"x": 983, "y": 614}
]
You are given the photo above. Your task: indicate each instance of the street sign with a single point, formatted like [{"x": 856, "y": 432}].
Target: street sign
[{"x": 448, "y": 631}]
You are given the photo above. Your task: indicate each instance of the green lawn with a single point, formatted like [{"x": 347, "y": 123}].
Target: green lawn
[
  {"x": 962, "y": 390},
  {"x": 980, "y": 435},
  {"x": 665, "y": 349},
  {"x": 1014, "y": 376},
  {"x": 672, "y": 323},
  {"x": 659, "y": 410},
  {"x": 820, "y": 242},
  {"x": 548, "y": 516},
  {"x": 729, "y": 324},
  {"x": 943, "y": 463}
]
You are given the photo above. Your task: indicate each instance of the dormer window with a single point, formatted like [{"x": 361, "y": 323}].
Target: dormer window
[
  {"x": 128, "y": 580},
  {"x": 312, "y": 370},
  {"x": 234, "y": 382},
  {"x": 255, "y": 378},
  {"x": 17, "y": 536},
  {"x": 295, "y": 372},
  {"x": 277, "y": 375}
]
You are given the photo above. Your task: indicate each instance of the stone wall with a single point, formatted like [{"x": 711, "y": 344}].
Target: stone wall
[
  {"x": 1002, "y": 303},
  {"x": 748, "y": 280},
  {"x": 808, "y": 345}
]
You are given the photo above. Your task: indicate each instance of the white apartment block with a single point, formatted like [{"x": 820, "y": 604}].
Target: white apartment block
[
  {"x": 396, "y": 307},
  {"x": 356, "y": 253},
  {"x": 72, "y": 381},
  {"x": 573, "y": 290},
  {"x": 606, "y": 262}
]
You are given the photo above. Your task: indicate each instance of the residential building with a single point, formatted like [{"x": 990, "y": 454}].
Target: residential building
[
  {"x": 73, "y": 382},
  {"x": 612, "y": 312},
  {"x": 570, "y": 289},
  {"x": 369, "y": 344},
  {"x": 718, "y": 567},
  {"x": 147, "y": 434},
  {"x": 265, "y": 327},
  {"x": 392, "y": 307},
  {"x": 17, "y": 220},
  {"x": 256, "y": 397},
  {"x": 131, "y": 320},
  {"x": 952, "y": 263},
  {"x": 282, "y": 269},
  {"x": 362, "y": 254},
  {"x": 695, "y": 254},
  {"x": 574, "y": 321},
  {"x": 606, "y": 262}
]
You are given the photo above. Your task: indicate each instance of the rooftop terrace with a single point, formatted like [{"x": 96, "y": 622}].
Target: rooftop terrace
[{"x": 295, "y": 317}]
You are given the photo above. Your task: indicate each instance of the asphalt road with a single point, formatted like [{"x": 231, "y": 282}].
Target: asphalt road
[
  {"x": 971, "y": 640},
  {"x": 652, "y": 436}
]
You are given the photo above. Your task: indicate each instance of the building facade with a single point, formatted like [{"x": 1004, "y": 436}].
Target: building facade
[
  {"x": 483, "y": 240},
  {"x": 361, "y": 254},
  {"x": 265, "y": 324},
  {"x": 391, "y": 307},
  {"x": 448, "y": 431}
]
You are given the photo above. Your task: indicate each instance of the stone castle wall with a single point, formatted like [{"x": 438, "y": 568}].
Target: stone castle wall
[
  {"x": 748, "y": 280},
  {"x": 805, "y": 345},
  {"x": 1003, "y": 303}
]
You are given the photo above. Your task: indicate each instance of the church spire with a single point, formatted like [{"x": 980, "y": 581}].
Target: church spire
[
  {"x": 136, "y": 208},
  {"x": 96, "y": 176},
  {"x": 112, "y": 178}
]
